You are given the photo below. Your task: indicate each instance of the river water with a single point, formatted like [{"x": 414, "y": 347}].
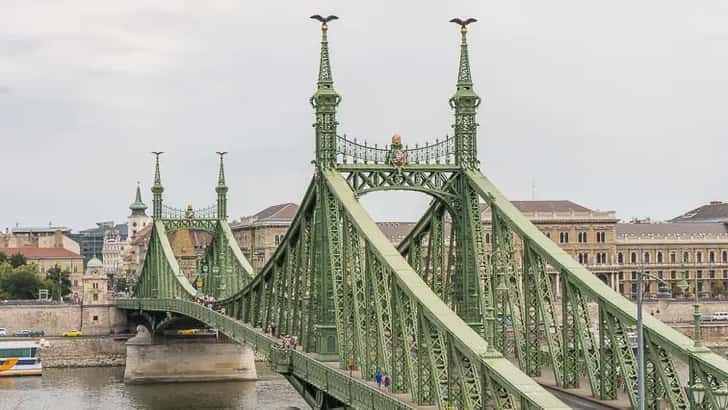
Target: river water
[{"x": 104, "y": 388}]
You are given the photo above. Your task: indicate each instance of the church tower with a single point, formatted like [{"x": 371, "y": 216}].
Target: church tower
[{"x": 138, "y": 218}]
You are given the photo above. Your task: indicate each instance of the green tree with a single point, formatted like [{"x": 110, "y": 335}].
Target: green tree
[
  {"x": 21, "y": 285},
  {"x": 3, "y": 257},
  {"x": 56, "y": 277},
  {"x": 17, "y": 260}
]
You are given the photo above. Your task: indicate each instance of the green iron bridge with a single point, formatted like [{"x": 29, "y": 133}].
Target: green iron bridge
[{"x": 458, "y": 321}]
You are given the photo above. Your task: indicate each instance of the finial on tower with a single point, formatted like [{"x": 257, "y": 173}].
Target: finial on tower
[
  {"x": 157, "y": 188},
  {"x": 324, "y": 101},
  {"x": 464, "y": 78},
  {"x": 325, "y": 80},
  {"x": 221, "y": 174},
  {"x": 221, "y": 189},
  {"x": 465, "y": 102}
]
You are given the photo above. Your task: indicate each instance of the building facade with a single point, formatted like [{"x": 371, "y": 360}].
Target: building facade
[
  {"x": 48, "y": 258},
  {"x": 39, "y": 237},
  {"x": 92, "y": 240},
  {"x": 259, "y": 235}
]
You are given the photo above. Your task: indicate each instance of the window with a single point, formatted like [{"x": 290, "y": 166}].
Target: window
[
  {"x": 659, "y": 257},
  {"x": 601, "y": 257},
  {"x": 582, "y": 237},
  {"x": 647, "y": 257},
  {"x": 699, "y": 257},
  {"x": 601, "y": 237},
  {"x": 487, "y": 238},
  {"x": 96, "y": 318},
  {"x": 620, "y": 275},
  {"x": 634, "y": 275},
  {"x": 725, "y": 257},
  {"x": 700, "y": 274},
  {"x": 96, "y": 297},
  {"x": 583, "y": 258},
  {"x": 620, "y": 258},
  {"x": 95, "y": 285},
  {"x": 686, "y": 257},
  {"x": 673, "y": 274},
  {"x": 672, "y": 257},
  {"x": 725, "y": 274},
  {"x": 659, "y": 274},
  {"x": 633, "y": 257},
  {"x": 711, "y": 274},
  {"x": 711, "y": 257},
  {"x": 278, "y": 240},
  {"x": 564, "y": 237}
]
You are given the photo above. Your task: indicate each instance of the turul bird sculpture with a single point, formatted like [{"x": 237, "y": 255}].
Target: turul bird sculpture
[
  {"x": 463, "y": 23},
  {"x": 324, "y": 20}
]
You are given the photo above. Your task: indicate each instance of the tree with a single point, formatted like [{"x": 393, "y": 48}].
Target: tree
[
  {"x": 17, "y": 260},
  {"x": 21, "y": 285},
  {"x": 718, "y": 288},
  {"x": 54, "y": 277},
  {"x": 3, "y": 257}
]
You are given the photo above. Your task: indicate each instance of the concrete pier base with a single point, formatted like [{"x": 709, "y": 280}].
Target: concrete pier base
[{"x": 175, "y": 360}]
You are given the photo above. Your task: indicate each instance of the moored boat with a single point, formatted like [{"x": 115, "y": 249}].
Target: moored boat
[{"x": 19, "y": 358}]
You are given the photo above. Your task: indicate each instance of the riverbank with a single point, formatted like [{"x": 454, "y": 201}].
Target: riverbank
[{"x": 94, "y": 351}]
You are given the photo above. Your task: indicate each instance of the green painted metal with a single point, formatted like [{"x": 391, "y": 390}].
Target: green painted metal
[{"x": 433, "y": 312}]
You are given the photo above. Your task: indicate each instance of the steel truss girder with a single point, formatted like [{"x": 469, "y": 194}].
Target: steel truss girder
[
  {"x": 196, "y": 224},
  {"x": 585, "y": 337}
]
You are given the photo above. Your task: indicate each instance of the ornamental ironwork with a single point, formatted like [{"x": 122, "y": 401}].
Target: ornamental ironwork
[{"x": 439, "y": 152}]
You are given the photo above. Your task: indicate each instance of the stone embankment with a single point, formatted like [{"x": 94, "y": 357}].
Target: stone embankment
[{"x": 83, "y": 352}]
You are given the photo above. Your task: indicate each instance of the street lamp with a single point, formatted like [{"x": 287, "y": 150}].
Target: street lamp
[
  {"x": 640, "y": 339},
  {"x": 698, "y": 392},
  {"x": 721, "y": 396},
  {"x": 698, "y": 342}
]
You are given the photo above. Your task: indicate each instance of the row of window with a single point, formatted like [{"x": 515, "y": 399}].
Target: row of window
[
  {"x": 581, "y": 237},
  {"x": 675, "y": 275},
  {"x": 673, "y": 257},
  {"x": 584, "y": 258}
]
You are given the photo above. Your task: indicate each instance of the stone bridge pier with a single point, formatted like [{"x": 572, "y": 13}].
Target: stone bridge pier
[{"x": 166, "y": 359}]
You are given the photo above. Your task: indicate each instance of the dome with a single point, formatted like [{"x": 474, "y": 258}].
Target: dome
[{"x": 94, "y": 263}]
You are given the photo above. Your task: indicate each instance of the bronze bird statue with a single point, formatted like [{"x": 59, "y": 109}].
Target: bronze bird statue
[
  {"x": 463, "y": 23},
  {"x": 324, "y": 20},
  {"x": 221, "y": 153},
  {"x": 157, "y": 153}
]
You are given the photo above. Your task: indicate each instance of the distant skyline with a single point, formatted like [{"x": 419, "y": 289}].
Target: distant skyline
[{"x": 613, "y": 105}]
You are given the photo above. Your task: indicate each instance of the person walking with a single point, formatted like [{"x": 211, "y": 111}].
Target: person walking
[
  {"x": 387, "y": 381},
  {"x": 378, "y": 378}
]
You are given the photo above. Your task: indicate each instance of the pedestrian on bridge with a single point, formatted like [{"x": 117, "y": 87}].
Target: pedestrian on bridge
[
  {"x": 387, "y": 381},
  {"x": 378, "y": 378}
]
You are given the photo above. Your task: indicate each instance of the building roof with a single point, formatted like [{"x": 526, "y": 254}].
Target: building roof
[
  {"x": 278, "y": 212},
  {"x": 396, "y": 231},
  {"x": 138, "y": 207},
  {"x": 94, "y": 263},
  {"x": 549, "y": 206},
  {"x": 683, "y": 228},
  {"x": 39, "y": 229},
  {"x": 715, "y": 211},
  {"x": 41, "y": 253}
]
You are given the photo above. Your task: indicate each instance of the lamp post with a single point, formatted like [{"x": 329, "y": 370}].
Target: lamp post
[
  {"x": 698, "y": 392},
  {"x": 721, "y": 396},
  {"x": 698, "y": 341},
  {"x": 640, "y": 339}
]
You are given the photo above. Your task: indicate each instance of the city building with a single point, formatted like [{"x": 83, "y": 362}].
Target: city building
[
  {"x": 259, "y": 235},
  {"x": 715, "y": 211},
  {"x": 92, "y": 240},
  {"x": 112, "y": 254},
  {"x": 614, "y": 251},
  {"x": 94, "y": 285},
  {"x": 39, "y": 237},
  {"x": 47, "y": 258}
]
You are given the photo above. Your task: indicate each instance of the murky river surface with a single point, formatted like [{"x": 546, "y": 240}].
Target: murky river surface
[{"x": 104, "y": 388}]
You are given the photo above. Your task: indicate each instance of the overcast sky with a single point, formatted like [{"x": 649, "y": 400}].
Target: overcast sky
[{"x": 616, "y": 105}]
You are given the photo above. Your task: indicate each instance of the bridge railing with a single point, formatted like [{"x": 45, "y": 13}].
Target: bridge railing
[
  {"x": 573, "y": 345},
  {"x": 345, "y": 389}
]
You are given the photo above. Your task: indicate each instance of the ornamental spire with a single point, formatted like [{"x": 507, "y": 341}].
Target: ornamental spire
[
  {"x": 465, "y": 101},
  {"x": 325, "y": 101},
  {"x": 157, "y": 188},
  {"x": 138, "y": 207},
  {"x": 221, "y": 189}
]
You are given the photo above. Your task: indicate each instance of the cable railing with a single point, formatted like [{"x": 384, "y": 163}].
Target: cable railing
[{"x": 439, "y": 152}]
